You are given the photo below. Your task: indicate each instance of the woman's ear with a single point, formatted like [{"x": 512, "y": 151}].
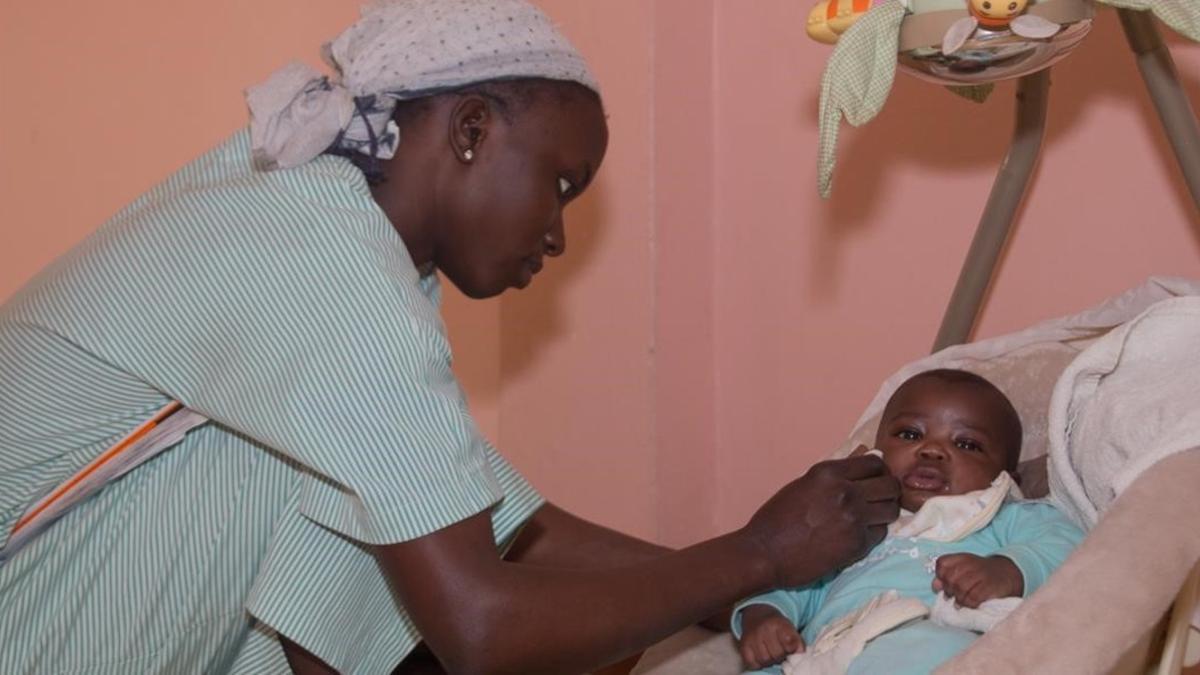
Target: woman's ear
[{"x": 470, "y": 120}]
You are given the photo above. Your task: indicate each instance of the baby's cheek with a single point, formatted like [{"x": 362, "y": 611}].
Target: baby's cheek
[
  {"x": 971, "y": 477},
  {"x": 895, "y": 464}
]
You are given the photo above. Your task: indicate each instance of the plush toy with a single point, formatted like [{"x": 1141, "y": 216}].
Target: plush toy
[
  {"x": 997, "y": 15},
  {"x": 830, "y": 18},
  {"x": 965, "y": 44}
]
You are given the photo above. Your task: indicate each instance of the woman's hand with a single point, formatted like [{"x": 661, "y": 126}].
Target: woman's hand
[
  {"x": 826, "y": 519},
  {"x": 971, "y": 580},
  {"x": 767, "y": 637}
]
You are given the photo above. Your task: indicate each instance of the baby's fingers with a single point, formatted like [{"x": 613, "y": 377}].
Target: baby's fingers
[
  {"x": 964, "y": 589},
  {"x": 790, "y": 640},
  {"x": 777, "y": 651},
  {"x": 973, "y": 592},
  {"x": 747, "y": 654},
  {"x": 953, "y": 567},
  {"x": 754, "y": 654},
  {"x": 797, "y": 645}
]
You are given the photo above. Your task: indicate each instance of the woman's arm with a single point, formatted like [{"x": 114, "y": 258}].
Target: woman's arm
[
  {"x": 555, "y": 538},
  {"x": 482, "y": 614},
  {"x": 551, "y": 538}
]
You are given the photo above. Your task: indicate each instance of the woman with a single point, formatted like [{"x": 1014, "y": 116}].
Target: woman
[{"x": 338, "y": 505}]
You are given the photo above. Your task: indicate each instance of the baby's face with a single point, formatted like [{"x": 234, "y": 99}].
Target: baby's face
[{"x": 941, "y": 438}]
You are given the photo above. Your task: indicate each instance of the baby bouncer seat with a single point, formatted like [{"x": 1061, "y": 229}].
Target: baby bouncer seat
[
  {"x": 1109, "y": 397},
  {"x": 1120, "y": 457}
]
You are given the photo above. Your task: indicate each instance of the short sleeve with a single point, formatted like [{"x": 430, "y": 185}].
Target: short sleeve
[{"x": 325, "y": 592}]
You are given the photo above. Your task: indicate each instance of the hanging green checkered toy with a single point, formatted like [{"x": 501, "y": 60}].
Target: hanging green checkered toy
[{"x": 967, "y": 45}]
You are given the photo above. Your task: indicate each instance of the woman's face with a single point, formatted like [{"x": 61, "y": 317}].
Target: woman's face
[{"x": 509, "y": 214}]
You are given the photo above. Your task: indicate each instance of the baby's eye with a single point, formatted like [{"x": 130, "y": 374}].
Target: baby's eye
[
  {"x": 969, "y": 445},
  {"x": 908, "y": 434},
  {"x": 565, "y": 187}
]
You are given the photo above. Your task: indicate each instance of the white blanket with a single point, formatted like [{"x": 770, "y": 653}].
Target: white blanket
[{"x": 1128, "y": 401}]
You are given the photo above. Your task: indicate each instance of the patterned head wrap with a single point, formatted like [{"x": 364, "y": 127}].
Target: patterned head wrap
[{"x": 401, "y": 49}]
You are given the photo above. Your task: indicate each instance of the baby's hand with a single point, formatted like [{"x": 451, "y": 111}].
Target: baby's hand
[
  {"x": 767, "y": 637},
  {"x": 971, "y": 580}
]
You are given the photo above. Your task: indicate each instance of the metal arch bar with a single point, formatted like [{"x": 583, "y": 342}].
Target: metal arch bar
[
  {"x": 1012, "y": 182},
  {"x": 1162, "y": 81}
]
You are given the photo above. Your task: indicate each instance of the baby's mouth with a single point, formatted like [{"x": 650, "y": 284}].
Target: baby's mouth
[{"x": 925, "y": 479}]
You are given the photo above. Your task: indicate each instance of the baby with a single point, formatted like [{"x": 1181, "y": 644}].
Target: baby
[{"x": 953, "y": 440}]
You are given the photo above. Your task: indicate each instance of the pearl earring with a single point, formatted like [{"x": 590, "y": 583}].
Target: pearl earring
[{"x": 468, "y": 154}]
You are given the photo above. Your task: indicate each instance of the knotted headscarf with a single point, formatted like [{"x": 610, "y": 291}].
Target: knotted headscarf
[{"x": 401, "y": 49}]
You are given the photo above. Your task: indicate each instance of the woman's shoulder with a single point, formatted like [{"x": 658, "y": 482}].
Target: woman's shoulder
[
  {"x": 218, "y": 224},
  {"x": 225, "y": 183},
  {"x": 220, "y": 206}
]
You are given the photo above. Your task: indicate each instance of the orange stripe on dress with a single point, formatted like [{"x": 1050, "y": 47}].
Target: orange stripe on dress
[{"x": 100, "y": 461}]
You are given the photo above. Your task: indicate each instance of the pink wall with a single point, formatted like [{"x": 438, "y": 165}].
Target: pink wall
[
  {"x": 576, "y": 348},
  {"x": 715, "y": 327}
]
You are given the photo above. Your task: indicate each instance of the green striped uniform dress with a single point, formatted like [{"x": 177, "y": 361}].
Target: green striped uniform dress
[{"x": 285, "y": 308}]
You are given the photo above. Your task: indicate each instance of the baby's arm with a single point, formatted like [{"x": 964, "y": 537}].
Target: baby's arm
[
  {"x": 971, "y": 580},
  {"x": 1038, "y": 538},
  {"x": 766, "y": 625},
  {"x": 767, "y": 637},
  {"x": 1035, "y": 539}
]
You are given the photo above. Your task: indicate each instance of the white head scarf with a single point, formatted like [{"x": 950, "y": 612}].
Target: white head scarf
[{"x": 401, "y": 49}]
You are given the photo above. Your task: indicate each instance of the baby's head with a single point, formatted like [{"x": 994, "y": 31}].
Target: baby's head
[{"x": 947, "y": 432}]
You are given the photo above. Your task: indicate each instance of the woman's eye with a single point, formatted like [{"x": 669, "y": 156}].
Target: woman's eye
[
  {"x": 565, "y": 187},
  {"x": 908, "y": 434}
]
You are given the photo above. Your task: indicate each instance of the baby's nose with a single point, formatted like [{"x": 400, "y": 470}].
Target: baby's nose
[{"x": 932, "y": 450}]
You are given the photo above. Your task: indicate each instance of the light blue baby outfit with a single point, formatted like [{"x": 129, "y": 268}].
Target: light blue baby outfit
[{"x": 1035, "y": 536}]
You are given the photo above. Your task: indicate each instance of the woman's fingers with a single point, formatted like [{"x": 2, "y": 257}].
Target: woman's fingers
[
  {"x": 863, "y": 467},
  {"x": 880, "y": 489},
  {"x": 881, "y": 513}
]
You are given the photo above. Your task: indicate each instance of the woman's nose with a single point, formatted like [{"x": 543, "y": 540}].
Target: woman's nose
[{"x": 555, "y": 241}]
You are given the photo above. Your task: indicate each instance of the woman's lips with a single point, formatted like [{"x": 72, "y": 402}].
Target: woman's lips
[
  {"x": 531, "y": 267},
  {"x": 925, "y": 479}
]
